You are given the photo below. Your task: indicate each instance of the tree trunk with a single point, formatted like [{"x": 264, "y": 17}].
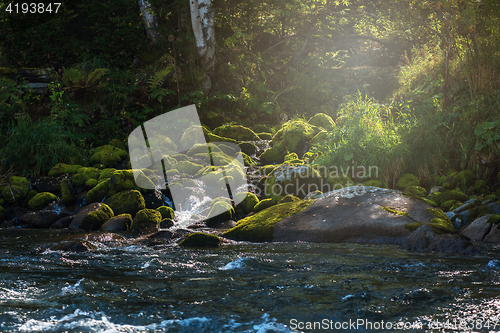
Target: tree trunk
[
  {"x": 202, "y": 21},
  {"x": 149, "y": 20}
]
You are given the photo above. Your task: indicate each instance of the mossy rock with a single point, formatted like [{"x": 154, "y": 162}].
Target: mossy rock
[
  {"x": 108, "y": 156},
  {"x": 126, "y": 202},
  {"x": 41, "y": 200},
  {"x": 447, "y": 205},
  {"x": 216, "y": 138},
  {"x": 291, "y": 157},
  {"x": 203, "y": 148},
  {"x": 191, "y": 136},
  {"x": 99, "y": 192},
  {"x": 260, "y": 226},
  {"x": 407, "y": 180},
  {"x": 262, "y": 128},
  {"x": 429, "y": 202},
  {"x": 123, "y": 180},
  {"x": 289, "y": 198},
  {"x": 266, "y": 170},
  {"x": 188, "y": 167},
  {"x": 263, "y": 204},
  {"x": 94, "y": 220},
  {"x": 415, "y": 192},
  {"x": 91, "y": 183},
  {"x": 146, "y": 221},
  {"x": 495, "y": 219},
  {"x": 293, "y": 136},
  {"x": 373, "y": 182},
  {"x": 394, "y": 211},
  {"x": 293, "y": 179},
  {"x": 166, "y": 223},
  {"x": 199, "y": 239},
  {"x": 31, "y": 194},
  {"x": 247, "y": 201},
  {"x": 62, "y": 169},
  {"x": 106, "y": 174},
  {"x": 118, "y": 144},
  {"x": 320, "y": 137},
  {"x": 67, "y": 195},
  {"x": 220, "y": 211},
  {"x": 461, "y": 179},
  {"x": 16, "y": 190},
  {"x": 440, "y": 197},
  {"x": 166, "y": 212},
  {"x": 481, "y": 187},
  {"x": 265, "y": 136},
  {"x": 83, "y": 175},
  {"x": 236, "y": 132},
  {"x": 247, "y": 160},
  {"x": 248, "y": 148},
  {"x": 322, "y": 120},
  {"x": 272, "y": 156},
  {"x": 441, "y": 224}
]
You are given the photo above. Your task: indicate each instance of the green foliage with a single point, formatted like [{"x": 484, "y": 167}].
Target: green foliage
[{"x": 33, "y": 148}]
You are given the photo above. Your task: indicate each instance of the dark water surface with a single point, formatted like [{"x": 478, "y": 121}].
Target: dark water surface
[{"x": 245, "y": 287}]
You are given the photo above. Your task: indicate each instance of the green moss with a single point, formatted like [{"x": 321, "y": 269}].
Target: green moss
[
  {"x": 16, "y": 189},
  {"x": 429, "y": 202},
  {"x": 62, "y": 169},
  {"x": 91, "y": 183},
  {"x": 66, "y": 195},
  {"x": 338, "y": 182},
  {"x": 263, "y": 204},
  {"x": 215, "y": 138},
  {"x": 495, "y": 218},
  {"x": 481, "y": 187},
  {"x": 166, "y": 212},
  {"x": 266, "y": 170},
  {"x": 289, "y": 198},
  {"x": 440, "y": 197},
  {"x": 106, "y": 174},
  {"x": 373, "y": 182},
  {"x": 94, "y": 220},
  {"x": 450, "y": 203},
  {"x": 247, "y": 201},
  {"x": 2, "y": 201},
  {"x": 220, "y": 211},
  {"x": 265, "y": 136},
  {"x": 124, "y": 180},
  {"x": 187, "y": 167},
  {"x": 407, "y": 180},
  {"x": 293, "y": 135},
  {"x": 272, "y": 155},
  {"x": 146, "y": 220},
  {"x": 127, "y": 218},
  {"x": 130, "y": 201},
  {"x": 247, "y": 160},
  {"x": 415, "y": 192},
  {"x": 248, "y": 148},
  {"x": 83, "y": 175},
  {"x": 394, "y": 211},
  {"x": 108, "y": 156},
  {"x": 440, "y": 224},
  {"x": 491, "y": 197},
  {"x": 31, "y": 194},
  {"x": 291, "y": 157},
  {"x": 260, "y": 226},
  {"x": 118, "y": 144},
  {"x": 320, "y": 137},
  {"x": 203, "y": 148},
  {"x": 199, "y": 239},
  {"x": 437, "y": 213},
  {"x": 322, "y": 120},
  {"x": 236, "y": 132},
  {"x": 41, "y": 200},
  {"x": 98, "y": 192}
]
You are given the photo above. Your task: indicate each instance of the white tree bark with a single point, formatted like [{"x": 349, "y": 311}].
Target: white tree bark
[
  {"x": 202, "y": 21},
  {"x": 149, "y": 20}
]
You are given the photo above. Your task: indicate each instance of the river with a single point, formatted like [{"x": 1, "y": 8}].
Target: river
[{"x": 241, "y": 287}]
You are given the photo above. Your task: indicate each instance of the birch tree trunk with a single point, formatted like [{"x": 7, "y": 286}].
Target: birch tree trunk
[
  {"x": 202, "y": 21},
  {"x": 149, "y": 20}
]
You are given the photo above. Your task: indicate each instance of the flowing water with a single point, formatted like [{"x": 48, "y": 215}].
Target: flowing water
[{"x": 241, "y": 287}]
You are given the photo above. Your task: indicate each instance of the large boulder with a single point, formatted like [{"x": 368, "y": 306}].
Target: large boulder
[
  {"x": 146, "y": 221},
  {"x": 14, "y": 189},
  {"x": 94, "y": 220},
  {"x": 236, "y": 132},
  {"x": 84, "y": 211},
  {"x": 39, "y": 219},
  {"x": 41, "y": 200},
  {"x": 130, "y": 202},
  {"x": 293, "y": 136},
  {"x": 118, "y": 223},
  {"x": 478, "y": 229},
  {"x": 199, "y": 239}
]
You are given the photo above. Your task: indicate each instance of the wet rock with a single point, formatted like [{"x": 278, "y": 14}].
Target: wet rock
[
  {"x": 199, "y": 239},
  {"x": 164, "y": 234},
  {"x": 220, "y": 211},
  {"x": 478, "y": 229},
  {"x": 95, "y": 219},
  {"x": 47, "y": 184},
  {"x": 118, "y": 223},
  {"x": 14, "y": 212},
  {"x": 152, "y": 200},
  {"x": 425, "y": 240},
  {"x": 63, "y": 222},
  {"x": 179, "y": 233},
  {"x": 166, "y": 223},
  {"x": 79, "y": 246},
  {"x": 84, "y": 211},
  {"x": 39, "y": 219},
  {"x": 493, "y": 236}
]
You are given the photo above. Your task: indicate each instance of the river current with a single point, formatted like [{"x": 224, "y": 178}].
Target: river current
[{"x": 242, "y": 287}]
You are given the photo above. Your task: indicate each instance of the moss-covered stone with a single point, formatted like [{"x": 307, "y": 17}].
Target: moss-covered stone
[
  {"x": 236, "y": 132},
  {"x": 481, "y": 187},
  {"x": 91, "y": 183},
  {"x": 146, "y": 221},
  {"x": 407, "y": 180},
  {"x": 440, "y": 197},
  {"x": 118, "y": 144},
  {"x": 289, "y": 198},
  {"x": 199, "y": 239},
  {"x": 415, "y": 192},
  {"x": 220, "y": 211},
  {"x": 247, "y": 160},
  {"x": 99, "y": 192},
  {"x": 271, "y": 156},
  {"x": 187, "y": 167},
  {"x": 266, "y": 170},
  {"x": 320, "y": 137},
  {"x": 429, "y": 202},
  {"x": 338, "y": 182},
  {"x": 31, "y": 194},
  {"x": 495, "y": 219},
  {"x": 216, "y": 138},
  {"x": 16, "y": 189},
  {"x": 373, "y": 182},
  {"x": 95, "y": 219},
  {"x": 293, "y": 136},
  {"x": 248, "y": 148},
  {"x": 448, "y": 204},
  {"x": 106, "y": 174},
  {"x": 203, "y": 148},
  {"x": 322, "y": 120},
  {"x": 491, "y": 197},
  {"x": 108, "y": 156},
  {"x": 395, "y": 211},
  {"x": 83, "y": 175},
  {"x": 67, "y": 195},
  {"x": 2, "y": 201},
  {"x": 62, "y": 169},
  {"x": 291, "y": 157},
  {"x": 166, "y": 223},
  {"x": 265, "y": 136},
  {"x": 166, "y": 212},
  {"x": 440, "y": 224},
  {"x": 41, "y": 200},
  {"x": 247, "y": 202},
  {"x": 260, "y": 226},
  {"x": 462, "y": 179},
  {"x": 129, "y": 201},
  {"x": 264, "y": 204}
]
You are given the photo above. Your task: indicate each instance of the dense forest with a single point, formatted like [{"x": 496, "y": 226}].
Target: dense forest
[{"x": 413, "y": 86}]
